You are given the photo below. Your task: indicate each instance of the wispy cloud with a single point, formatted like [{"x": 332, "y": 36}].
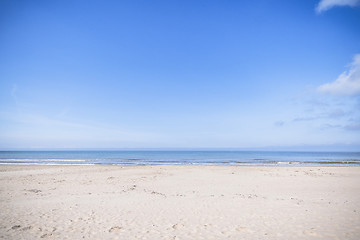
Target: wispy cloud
[
  {"x": 13, "y": 92},
  {"x": 301, "y": 119},
  {"x": 349, "y": 127},
  {"x": 336, "y": 113},
  {"x": 330, "y": 126},
  {"x": 348, "y": 83},
  {"x": 325, "y": 5},
  {"x": 279, "y": 123},
  {"x": 353, "y": 127},
  {"x": 332, "y": 114}
]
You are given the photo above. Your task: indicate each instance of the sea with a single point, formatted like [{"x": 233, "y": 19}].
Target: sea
[{"x": 167, "y": 157}]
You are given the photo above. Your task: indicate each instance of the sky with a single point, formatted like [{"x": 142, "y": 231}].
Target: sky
[{"x": 180, "y": 74}]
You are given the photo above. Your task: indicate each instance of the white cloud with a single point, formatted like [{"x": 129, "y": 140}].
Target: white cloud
[
  {"x": 327, "y": 4},
  {"x": 348, "y": 83}
]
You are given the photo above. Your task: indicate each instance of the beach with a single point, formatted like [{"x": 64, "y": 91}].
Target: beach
[{"x": 179, "y": 202}]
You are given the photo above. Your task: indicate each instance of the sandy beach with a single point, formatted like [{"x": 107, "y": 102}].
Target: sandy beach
[{"x": 179, "y": 202}]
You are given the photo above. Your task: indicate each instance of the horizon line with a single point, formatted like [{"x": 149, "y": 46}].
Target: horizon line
[{"x": 328, "y": 148}]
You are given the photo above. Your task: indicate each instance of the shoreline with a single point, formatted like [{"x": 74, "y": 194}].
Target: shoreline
[
  {"x": 179, "y": 202},
  {"x": 192, "y": 158},
  {"x": 290, "y": 165}
]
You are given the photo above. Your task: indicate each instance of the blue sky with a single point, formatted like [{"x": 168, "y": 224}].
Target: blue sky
[{"x": 180, "y": 74}]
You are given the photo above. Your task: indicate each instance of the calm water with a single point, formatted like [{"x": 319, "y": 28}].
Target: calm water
[{"x": 240, "y": 158}]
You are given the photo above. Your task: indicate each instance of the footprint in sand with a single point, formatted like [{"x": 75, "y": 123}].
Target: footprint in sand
[
  {"x": 33, "y": 190},
  {"x": 16, "y": 227},
  {"x": 243, "y": 229},
  {"x": 46, "y": 235},
  {"x": 177, "y": 226},
  {"x": 310, "y": 233},
  {"x": 26, "y": 228},
  {"x": 116, "y": 229}
]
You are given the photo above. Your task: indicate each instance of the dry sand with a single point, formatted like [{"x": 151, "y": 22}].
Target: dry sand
[{"x": 179, "y": 202}]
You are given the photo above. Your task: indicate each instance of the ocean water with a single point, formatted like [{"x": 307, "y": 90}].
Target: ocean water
[{"x": 223, "y": 158}]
